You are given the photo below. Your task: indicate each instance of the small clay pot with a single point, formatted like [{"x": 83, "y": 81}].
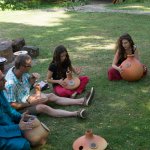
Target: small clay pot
[
  {"x": 89, "y": 142},
  {"x": 132, "y": 69}
]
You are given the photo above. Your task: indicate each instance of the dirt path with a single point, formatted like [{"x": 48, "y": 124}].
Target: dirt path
[{"x": 100, "y": 7}]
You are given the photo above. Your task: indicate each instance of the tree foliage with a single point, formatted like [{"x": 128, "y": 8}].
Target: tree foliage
[
  {"x": 24, "y": 4},
  {"x": 18, "y": 4}
]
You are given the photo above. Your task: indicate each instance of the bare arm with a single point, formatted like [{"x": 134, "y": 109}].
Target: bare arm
[
  {"x": 73, "y": 70},
  {"x": 115, "y": 61},
  {"x": 26, "y": 122},
  {"x": 50, "y": 79},
  {"x": 136, "y": 54},
  {"x": 76, "y": 71},
  {"x": 31, "y": 101},
  {"x": 18, "y": 106}
]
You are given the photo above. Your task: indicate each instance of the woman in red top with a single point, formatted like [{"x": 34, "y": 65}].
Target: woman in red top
[{"x": 125, "y": 46}]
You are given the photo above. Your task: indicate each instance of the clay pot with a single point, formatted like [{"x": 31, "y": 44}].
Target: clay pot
[
  {"x": 72, "y": 82},
  {"x": 38, "y": 135},
  {"x": 89, "y": 142},
  {"x": 132, "y": 69}
]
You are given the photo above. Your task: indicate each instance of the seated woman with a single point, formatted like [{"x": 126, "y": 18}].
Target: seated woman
[
  {"x": 60, "y": 64},
  {"x": 125, "y": 46}
]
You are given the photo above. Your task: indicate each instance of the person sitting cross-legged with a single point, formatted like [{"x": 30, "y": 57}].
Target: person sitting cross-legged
[{"x": 18, "y": 91}]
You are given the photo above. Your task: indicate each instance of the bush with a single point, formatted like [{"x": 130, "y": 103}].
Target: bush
[
  {"x": 24, "y": 4},
  {"x": 72, "y": 3},
  {"x": 19, "y": 4},
  {"x": 33, "y": 3}
]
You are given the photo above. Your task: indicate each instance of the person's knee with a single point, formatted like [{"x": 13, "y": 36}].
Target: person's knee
[
  {"x": 111, "y": 73},
  {"x": 41, "y": 108},
  {"x": 87, "y": 78},
  {"x": 84, "y": 79},
  {"x": 63, "y": 93},
  {"x": 19, "y": 143},
  {"x": 51, "y": 96}
]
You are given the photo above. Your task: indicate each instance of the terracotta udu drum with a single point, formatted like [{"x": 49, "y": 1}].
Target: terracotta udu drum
[
  {"x": 132, "y": 69},
  {"x": 37, "y": 135},
  {"x": 72, "y": 82},
  {"x": 90, "y": 141}
]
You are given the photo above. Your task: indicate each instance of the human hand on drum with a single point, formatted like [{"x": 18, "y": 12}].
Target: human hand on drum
[
  {"x": 120, "y": 69},
  {"x": 62, "y": 83},
  {"x": 26, "y": 122}
]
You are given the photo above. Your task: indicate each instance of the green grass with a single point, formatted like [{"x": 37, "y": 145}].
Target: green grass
[{"x": 120, "y": 110}]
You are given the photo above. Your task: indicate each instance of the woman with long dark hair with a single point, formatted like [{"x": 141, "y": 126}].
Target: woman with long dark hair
[
  {"x": 125, "y": 46},
  {"x": 60, "y": 64}
]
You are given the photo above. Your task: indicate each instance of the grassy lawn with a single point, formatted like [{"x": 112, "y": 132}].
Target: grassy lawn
[{"x": 120, "y": 111}]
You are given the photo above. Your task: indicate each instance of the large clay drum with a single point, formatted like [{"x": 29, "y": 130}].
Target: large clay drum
[
  {"x": 37, "y": 135},
  {"x": 72, "y": 83},
  {"x": 132, "y": 69},
  {"x": 89, "y": 142}
]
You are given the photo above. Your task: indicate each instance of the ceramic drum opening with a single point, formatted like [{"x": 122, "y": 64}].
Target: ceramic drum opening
[{"x": 71, "y": 82}]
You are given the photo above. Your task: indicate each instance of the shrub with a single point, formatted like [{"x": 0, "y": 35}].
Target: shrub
[{"x": 18, "y": 4}]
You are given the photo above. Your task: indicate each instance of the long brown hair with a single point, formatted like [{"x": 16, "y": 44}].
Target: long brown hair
[
  {"x": 119, "y": 46},
  {"x": 57, "y": 59}
]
